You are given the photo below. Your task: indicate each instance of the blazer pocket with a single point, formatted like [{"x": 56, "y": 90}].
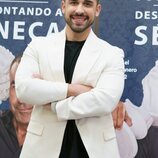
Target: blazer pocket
[
  {"x": 109, "y": 134},
  {"x": 35, "y": 128}
]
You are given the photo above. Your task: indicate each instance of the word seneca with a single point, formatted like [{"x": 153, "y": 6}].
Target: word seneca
[
  {"x": 17, "y": 30},
  {"x": 25, "y": 11}
]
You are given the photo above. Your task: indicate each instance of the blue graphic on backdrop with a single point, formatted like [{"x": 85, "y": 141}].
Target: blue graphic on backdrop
[{"x": 132, "y": 25}]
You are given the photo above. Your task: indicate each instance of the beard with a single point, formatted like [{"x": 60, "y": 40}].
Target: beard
[{"x": 78, "y": 27}]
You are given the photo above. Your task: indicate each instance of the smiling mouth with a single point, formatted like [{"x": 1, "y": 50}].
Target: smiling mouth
[{"x": 79, "y": 20}]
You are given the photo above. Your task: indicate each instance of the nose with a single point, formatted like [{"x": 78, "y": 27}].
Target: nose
[{"x": 80, "y": 9}]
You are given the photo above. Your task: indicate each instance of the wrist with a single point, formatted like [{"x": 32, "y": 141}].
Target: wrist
[{"x": 71, "y": 90}]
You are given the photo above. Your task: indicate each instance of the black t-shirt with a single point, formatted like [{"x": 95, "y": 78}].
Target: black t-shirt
[
  {"x": 9, "y": 146},
  {"x": 72, "y": 146}
]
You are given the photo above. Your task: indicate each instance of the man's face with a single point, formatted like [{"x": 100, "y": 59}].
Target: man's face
[
  {"x": 21, "y": 111},
  {"x": 80, "y": 14}
]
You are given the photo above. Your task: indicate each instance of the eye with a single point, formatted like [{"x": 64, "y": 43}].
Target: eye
[
  {"x": 88, "y": 3},
  {"x": 73, "y": 2}
]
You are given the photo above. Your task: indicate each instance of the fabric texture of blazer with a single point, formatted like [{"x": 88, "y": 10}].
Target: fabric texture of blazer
[{"x": 99, "y": 65}]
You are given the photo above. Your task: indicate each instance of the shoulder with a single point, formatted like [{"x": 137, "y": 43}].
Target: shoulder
[
  {"x": 106, "y": 47},
  {"x": 44, "y": 39},
  {"x": 109, "y": 53},
  {"x": 49, "y": 40}
]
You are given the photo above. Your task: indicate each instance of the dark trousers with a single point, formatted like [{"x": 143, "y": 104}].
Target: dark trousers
[{"x": 148, "y": 147}]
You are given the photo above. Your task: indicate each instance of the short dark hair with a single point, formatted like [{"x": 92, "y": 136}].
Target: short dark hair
[{"x": 17, "y": 59}]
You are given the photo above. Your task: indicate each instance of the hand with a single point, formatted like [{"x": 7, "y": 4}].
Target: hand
[
  {"x": 76, "y": 89},
  {"x": 120, "y": 115}
]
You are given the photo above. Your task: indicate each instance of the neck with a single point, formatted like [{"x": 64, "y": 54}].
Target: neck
[
  {"x": 75, "y": 36},
  {"x": 21, "y": 130}
]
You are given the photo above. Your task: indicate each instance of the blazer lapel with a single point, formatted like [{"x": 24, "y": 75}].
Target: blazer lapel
[
  {"x": 87, "y": 59},
  {"x": 56, "y": 57}
]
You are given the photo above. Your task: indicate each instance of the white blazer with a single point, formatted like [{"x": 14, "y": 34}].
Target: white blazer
[{"x": 99, "y": 65}]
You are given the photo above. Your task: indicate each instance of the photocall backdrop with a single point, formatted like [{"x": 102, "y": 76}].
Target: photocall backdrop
[{"x": 131, "y": 25}]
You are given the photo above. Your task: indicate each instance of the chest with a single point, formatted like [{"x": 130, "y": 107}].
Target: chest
[{"x": 87, "y": 67}]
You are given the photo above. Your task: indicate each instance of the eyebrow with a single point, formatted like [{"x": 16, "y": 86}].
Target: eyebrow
[
  {"x": 73, "y": 0},
  {"x": 89, "y": 1}
]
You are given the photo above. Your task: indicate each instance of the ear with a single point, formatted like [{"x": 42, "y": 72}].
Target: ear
[
  {"x": 63, "y": 6},
  {"x": 98, "y": 10}
]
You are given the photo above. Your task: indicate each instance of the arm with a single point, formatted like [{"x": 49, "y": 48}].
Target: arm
[
  {"x": 77, "y": 89},
  {"x": 119, "y": 114},
  {"x": 99, "y": 101},
  {"x": 32, "y": 90}
]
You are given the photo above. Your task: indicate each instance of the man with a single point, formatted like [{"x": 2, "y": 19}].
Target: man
[
  {"x": 148, "y": 146},
  {"x": 13, "y": 123},
  {"x": 145, "y": 125},
  {"x": 78, "y": 123}
]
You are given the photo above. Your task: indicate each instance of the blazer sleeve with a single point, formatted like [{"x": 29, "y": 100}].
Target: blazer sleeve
[
  {"x": 102, "y": 99},
  {"x": 33, "y": 90}
]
